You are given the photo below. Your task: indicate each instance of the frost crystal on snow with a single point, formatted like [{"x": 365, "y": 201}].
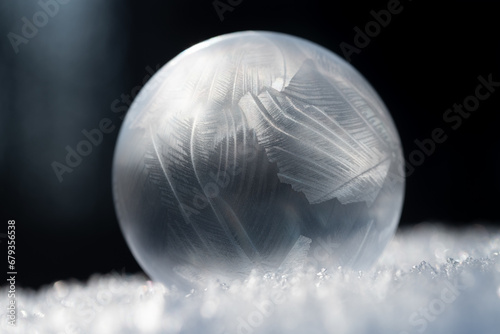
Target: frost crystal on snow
[{"x": 448, "y": 293}]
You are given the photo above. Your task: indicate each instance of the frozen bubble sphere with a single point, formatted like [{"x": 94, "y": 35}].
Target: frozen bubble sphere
[{"x": 256, "y": 150}]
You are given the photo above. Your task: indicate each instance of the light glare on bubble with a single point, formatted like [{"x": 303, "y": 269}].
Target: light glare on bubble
[{"x": 208, "y": 309}]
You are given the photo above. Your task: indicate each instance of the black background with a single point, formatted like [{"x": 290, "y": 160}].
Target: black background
[{"x": 66, "y": 77}]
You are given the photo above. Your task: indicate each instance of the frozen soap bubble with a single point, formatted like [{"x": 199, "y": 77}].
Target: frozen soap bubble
[{"x": 256, "y": 150}]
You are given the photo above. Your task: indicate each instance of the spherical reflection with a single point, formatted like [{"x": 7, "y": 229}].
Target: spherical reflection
[{"x": 256, "y": 150}]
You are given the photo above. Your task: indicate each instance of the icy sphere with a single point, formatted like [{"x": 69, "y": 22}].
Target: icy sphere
[{"x": 256, "y": 150}]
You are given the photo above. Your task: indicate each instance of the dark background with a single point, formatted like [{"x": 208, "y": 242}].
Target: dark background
[{"x": 90, "y": 52}]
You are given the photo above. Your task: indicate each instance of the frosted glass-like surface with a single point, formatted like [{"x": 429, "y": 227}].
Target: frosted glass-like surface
[{"x": 256, "y": 150}]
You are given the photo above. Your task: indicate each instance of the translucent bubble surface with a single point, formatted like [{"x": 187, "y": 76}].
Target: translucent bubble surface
[{"x": 256, "y": 150}]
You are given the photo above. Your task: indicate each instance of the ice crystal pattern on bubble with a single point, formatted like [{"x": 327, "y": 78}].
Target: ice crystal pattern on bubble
[{"x": 256, "y": 150}]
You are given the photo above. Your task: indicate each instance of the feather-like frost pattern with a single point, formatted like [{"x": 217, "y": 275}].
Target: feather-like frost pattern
[{"x": 322, "y": 138}]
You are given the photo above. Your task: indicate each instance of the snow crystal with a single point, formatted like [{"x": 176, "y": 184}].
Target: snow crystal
[{"x": 428, "y": 280}]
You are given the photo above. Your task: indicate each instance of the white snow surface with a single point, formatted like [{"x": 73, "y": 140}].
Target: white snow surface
[{"x": 430, "y": 279}]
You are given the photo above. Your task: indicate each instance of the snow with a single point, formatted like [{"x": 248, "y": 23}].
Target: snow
[{"x": 430, "y": 279}]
